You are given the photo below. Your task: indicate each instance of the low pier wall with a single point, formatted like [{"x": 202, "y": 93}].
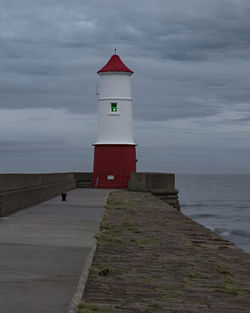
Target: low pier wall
[
  {"x": 161, "y": 185},
  {"x": 83, "y": 179},
  {"x": 19, "y": 191}
]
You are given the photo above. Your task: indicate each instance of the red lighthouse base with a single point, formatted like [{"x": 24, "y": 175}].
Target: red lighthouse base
[{"x": 113, "y": 165}]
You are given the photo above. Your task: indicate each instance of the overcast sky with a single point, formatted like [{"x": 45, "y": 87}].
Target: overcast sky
[{"x": 191, "y": 82}]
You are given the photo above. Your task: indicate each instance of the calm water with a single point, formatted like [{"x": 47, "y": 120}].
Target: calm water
[{"x": 220, "y": 202}]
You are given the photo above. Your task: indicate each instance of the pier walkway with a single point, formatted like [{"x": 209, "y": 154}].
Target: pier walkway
[
  {"x": 151, "y": 258},
  {"x": 43, "y": 250}
]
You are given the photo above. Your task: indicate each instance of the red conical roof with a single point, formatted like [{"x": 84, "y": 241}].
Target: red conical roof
[{"x": 115, "y": 64}]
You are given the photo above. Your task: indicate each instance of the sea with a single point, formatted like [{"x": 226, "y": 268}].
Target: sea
[{"x": 220, "y": 202}]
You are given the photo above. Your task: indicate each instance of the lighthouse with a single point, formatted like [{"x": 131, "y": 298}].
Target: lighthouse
[{"x": 115, "y": 153}]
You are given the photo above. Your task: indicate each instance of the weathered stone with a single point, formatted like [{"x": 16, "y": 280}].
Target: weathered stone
[
  {"x": 161, "y": 185},
  {"x": 159, "y": 260},
  {"x": 150, "y": 181}
]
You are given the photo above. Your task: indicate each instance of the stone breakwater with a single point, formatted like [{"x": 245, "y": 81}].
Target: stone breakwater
[{"x": 152, "y": 258}]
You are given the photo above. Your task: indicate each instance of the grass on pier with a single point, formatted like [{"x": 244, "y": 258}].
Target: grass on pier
[{"x": 152, "y": 258}]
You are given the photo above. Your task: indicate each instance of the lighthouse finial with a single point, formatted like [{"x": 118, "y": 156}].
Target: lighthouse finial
[{"x": 115, "y": 51}]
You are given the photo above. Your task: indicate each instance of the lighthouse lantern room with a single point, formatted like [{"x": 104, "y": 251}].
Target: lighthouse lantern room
[{"x": 114, "y": 155}]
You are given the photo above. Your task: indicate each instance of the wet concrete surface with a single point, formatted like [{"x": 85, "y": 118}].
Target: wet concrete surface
[{"x": 43, "y": 250}]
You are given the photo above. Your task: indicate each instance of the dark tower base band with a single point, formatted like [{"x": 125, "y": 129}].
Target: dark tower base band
[{"x": 113, "y": 165}]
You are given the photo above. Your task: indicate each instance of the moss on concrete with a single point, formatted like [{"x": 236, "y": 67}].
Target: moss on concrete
[
  {"x": 85, "y": 307},
  {"x": 148, "y": 242},
  {"x": 151, "y": 258}
]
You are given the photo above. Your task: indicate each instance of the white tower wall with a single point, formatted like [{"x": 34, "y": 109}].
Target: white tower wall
[
  {"x": 115, "y": 127},
  {"x": 115, "y": 84}
]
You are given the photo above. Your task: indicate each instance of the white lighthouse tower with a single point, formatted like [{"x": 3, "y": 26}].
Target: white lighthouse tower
[{"x": 115, "y": 155}]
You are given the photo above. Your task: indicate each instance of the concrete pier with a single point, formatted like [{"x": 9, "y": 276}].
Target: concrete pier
[{"x": 43, "y": 250}]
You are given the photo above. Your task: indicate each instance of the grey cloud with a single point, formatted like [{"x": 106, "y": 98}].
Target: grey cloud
[
  {"x": 191, "y": 61},
  {"x": 59, "y": 46}
]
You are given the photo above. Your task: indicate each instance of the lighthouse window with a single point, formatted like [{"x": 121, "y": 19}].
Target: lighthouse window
[{"x": 113, "y": 107}]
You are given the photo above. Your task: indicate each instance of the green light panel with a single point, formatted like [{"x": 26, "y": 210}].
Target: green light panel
[{"x": 113, "y": 107}]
